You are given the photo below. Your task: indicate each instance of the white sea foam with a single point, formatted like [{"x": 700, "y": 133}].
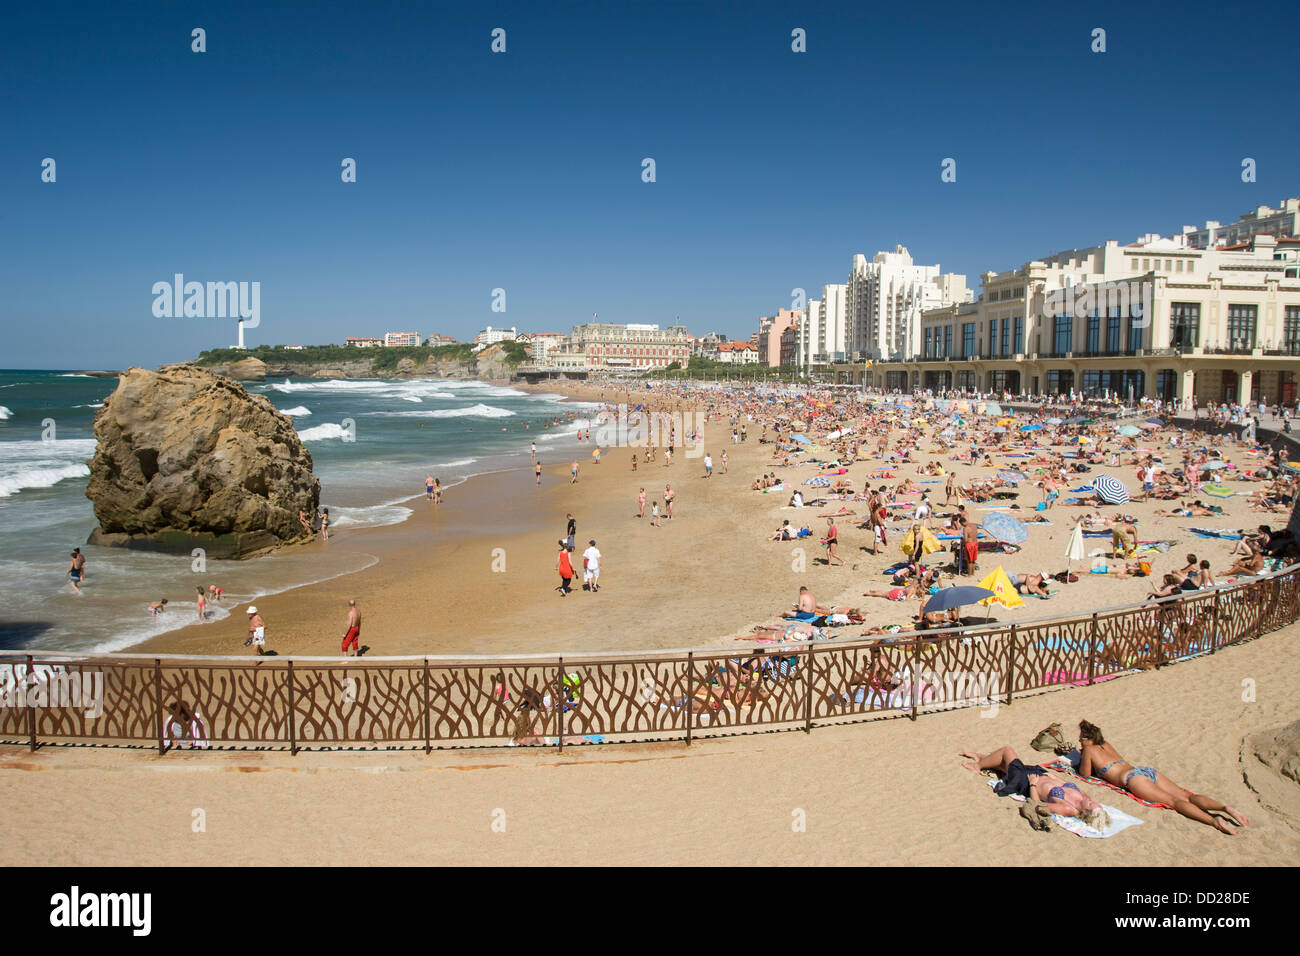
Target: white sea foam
[
  {"x": 74, "y": 375},
  {"x": 412, "y": 398},
  {"x": 297, "y": 411},
  {"x": 39, "y": 464},
  {"x": 374, "y": 516},
  {"x": 91, "y": 405},
  {"x": 468, "y": 411},
  {"x": 4, "y": 413},
  {"x": 322, "y": 432}
]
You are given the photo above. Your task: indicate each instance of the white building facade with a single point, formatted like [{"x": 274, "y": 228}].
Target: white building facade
[{"x": 884, "y": 299}]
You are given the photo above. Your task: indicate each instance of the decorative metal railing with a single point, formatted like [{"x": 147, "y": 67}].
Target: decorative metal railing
[{"x": 441, "y": 702}]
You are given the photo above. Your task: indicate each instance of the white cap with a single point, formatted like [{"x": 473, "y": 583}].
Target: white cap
[{"x": 251, "y": 609}]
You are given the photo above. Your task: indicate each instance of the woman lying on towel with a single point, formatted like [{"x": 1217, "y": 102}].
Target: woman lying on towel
[
  {"x": 1100, "y": 759},
  {"x": 1032, "y": 781}
]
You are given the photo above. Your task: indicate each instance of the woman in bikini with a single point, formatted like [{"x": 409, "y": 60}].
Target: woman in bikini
[
  {"x": 1100, "y": 759},
  {"x": 1029, "y": 780},
  {"x": 201, "y": 600}
]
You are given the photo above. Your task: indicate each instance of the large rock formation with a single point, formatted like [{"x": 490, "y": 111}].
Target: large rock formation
[{"x": 188, "y": 459}]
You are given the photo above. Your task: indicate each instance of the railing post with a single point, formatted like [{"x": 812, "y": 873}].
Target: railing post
[
  {"x": 690, "y": 695},
  {"x": 916, "y": 665},
  {"x": 31, "y": 708},
  {"x": 808, "y": 691},
  {"x": 158, "y": 703},
  {"x": 428, "y": 745},
  {"x": 1092, "y": 649},
  {"x": 1011, "y": 665},
  {"x": 1216, "y": 635},
  {"x": 293, "y": 724},
  {"x": 560, "y": 702}
]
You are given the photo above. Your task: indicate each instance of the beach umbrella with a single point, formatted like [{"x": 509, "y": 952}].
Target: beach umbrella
[
  {"x": 1147, "y": 426},
  {"x": 1155, "y": 421},
  {"x": 802, "y": 439},
  {"x": 1128, "y": 431},
  {"x": 1110, "y": 489},
  {"x": 1074, "y": 548},
  {"x": 1004, "y": 592},
  {"x": 1214, "y": 465},
  {"x": 1055, "y": 421},
  {"x": 1218, "y": 491},
  {"x": 1005, "y": 528},
  {"x": 992, "y": 408},
  {"x": 1031, "y": 428},
  {"x": 949, "y": 598}
]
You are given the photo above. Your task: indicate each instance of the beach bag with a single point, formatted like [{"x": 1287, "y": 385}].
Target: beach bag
[{"x": 1051, "y": 740}]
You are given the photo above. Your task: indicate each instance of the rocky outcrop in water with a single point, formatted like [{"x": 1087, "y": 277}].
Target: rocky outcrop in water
[{"x": 186, "y": 458}]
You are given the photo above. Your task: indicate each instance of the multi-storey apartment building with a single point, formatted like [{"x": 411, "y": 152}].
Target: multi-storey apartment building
[
  {"x": 1262, "y": 221},
  {"x": 770, "y": 330},
  {"x": 394, "y": 339},
  {"x": 884, "y": 299},
  {"x": 821, "y": 338}
]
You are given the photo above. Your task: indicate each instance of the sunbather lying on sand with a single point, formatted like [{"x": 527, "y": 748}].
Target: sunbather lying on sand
[
  {"x": 1100, "y": 759},
  {"x": 1031, "y": 781}
]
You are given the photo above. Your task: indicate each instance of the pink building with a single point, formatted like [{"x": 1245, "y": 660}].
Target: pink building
[{"x": 770, "y": 330}]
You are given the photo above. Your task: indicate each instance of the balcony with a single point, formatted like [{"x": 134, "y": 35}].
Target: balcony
[{"x": 1291, "y": 348}]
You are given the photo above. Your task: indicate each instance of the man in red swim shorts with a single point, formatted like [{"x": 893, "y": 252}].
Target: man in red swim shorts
[{"x": 353, "y": 636}]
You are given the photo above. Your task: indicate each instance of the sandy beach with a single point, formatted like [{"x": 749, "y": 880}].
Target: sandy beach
[{"x": 705, "y": 577}]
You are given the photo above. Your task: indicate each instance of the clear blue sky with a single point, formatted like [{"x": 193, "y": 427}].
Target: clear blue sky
[{"x": 523, "y": 171}]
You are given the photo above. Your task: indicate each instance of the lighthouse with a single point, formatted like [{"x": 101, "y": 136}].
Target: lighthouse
[{"x": 239, "y": 325}]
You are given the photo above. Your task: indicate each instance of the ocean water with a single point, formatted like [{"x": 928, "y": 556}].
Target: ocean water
[{"x": 372, "y": 444}]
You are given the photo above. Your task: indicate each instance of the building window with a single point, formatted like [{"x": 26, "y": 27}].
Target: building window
[
  {"x": 1135, "y": 327},
  {"x": 968, "y": 339},
  {"x": 947, "y": 341},
  {"x": 1166, "y": 384},
  {"x": 1064, "y": 334},
  {"x": 1006, "y": 335},
  {"x": 1018, "y": 346},
  {"x": 1184, "y": 324},
  {"x": 1112, "y": 334},
  {"x": 1291, "y": 329},
  {"x": 1094, "y": 334},
  {"x": 1241, "y": 326}
]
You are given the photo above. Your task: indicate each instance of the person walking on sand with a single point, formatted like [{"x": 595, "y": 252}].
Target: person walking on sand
[
  {"x": 437, "y": 491},
  {"x": 201, "y": 603},
  {"x": 569, "y": 531},
  {"x": 324, "y": 524},
  {"x": 640, "y": 503},
  {"x": 537, "y": 468},
  {"x": 352, "y": 637},
  {"x": 654, "y": 515},
  {"x": 74, "y": 573},
  {"x": 634, "y": 461},
  {"x": 428, "y": 487},
  {"x": 532, "y": 447},
  {"x": 832, "y": 542},
  {"x": 564, "y": 567},
  {"x": 708, "y": 466},
  {"x": 591, "y": 567},
  {"x": 573, "y": 471},
  {"x": 669, "y": 497},
  {"x": 256, "y": 631},
  {"x": 724, "y": 462},
  {"x": 970, "y": 546}
]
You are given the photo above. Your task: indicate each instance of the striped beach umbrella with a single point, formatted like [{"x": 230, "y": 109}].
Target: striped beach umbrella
[{"x": 1110, "y": 489}]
